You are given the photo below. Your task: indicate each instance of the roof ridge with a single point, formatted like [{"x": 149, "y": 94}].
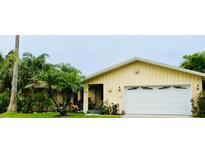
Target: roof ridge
[{"x": 146, "y": 61}]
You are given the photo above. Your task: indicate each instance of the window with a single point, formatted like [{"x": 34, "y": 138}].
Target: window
[
  {"x": 133, "y": 88},
  {"x": 165, "y": 87},
  {"x": 180, "y": 87},
  {"x": 147, "y": 88}
]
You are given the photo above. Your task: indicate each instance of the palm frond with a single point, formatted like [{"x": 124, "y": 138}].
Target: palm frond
[{"x": 11, "y": 57}]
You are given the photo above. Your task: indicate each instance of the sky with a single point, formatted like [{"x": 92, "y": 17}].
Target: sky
[{"x": 91, "y": 53}]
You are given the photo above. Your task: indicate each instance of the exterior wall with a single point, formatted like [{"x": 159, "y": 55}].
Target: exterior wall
[{"x": 141, "y": 74}]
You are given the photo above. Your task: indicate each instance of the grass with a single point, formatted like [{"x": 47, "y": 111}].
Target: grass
[{"x": 53, "y": 115}]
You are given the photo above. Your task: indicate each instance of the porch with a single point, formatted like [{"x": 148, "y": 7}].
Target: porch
[{"x": 93, "y": 98}]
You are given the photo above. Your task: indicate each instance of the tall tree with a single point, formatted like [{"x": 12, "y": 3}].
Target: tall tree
[
  {"x": 13, "y": 100},
  {"x": 30, "y": 66}
]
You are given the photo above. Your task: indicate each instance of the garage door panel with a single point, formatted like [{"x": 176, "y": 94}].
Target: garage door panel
[{"x": 158, "y": 101}]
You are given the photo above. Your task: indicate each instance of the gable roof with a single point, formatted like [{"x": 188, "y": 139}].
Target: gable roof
[{"x": 145, "y": 61}]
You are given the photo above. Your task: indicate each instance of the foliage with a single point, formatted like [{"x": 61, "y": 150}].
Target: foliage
[
  {"x": 48, "y": 80},
  {"x": 29, "y": 67},
  {"x": 4, "y": 101},
  {"x": 40, "y": 82},
  {"x": 194, "y": 62},
  {"x": 106, "y": 109},
  {"x": 115, "y": 109},
  {"x": 198, "y": 105},
  {"x": 5, "y": 62},
  {"x": 110, "y": 109},
  {"x": 70, "y": 81},
  {"x": 73, "y": 108},
  {"x": 41, "y": 102}
]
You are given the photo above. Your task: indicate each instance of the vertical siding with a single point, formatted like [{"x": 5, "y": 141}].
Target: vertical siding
[{"x": 148, "y": 75}]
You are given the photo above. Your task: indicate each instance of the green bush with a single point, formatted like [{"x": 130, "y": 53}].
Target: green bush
[
  {"x": 110, "y": 109},
  {"x": 22, "y": 104},
  {"x": 106, "y": 109},
  {"x": 37, "y": 103},
  {"x": 198, "y": 105},
  {"x": 4, "y": 101}
]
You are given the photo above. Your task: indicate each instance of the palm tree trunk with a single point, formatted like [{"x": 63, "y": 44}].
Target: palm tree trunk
[{"x": 13, "y": 100}]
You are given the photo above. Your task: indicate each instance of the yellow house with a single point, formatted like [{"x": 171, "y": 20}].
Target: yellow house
[{"x": 142, "y": 86}]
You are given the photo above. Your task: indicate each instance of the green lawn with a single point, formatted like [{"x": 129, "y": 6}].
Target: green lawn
[{"x": 53, "y": 115}]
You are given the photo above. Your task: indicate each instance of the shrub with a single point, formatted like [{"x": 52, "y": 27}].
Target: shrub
[
  {"x": 198, "y": 105},
  {"x": 41, "y": 102},
  {"x": 23, "y": 104},
  {"x": 106, "y": 109},
  {"x": 115, "y": 109},
  {"x": 110, "y": 109},
  {"x": 4, "y": 101},
  {"x": 73, "y": 108}
]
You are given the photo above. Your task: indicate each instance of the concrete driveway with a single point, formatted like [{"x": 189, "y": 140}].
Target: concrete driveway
[{"x": 154, "y": 116}]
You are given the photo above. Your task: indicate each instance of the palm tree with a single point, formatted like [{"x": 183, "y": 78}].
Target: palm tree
[
  {"x": 13, "y": 100},
  {"x": 65, "y": 80},
  {"x": 70, "y": 81},
  {"x": 29, "y": 67},
  {"x": 194, "y": 62},
  {"x": 49, "y": 80},
  {"x": 4, "y": 62},
  {"x": 5, "y": 70},
  {"x": 70, "y": 84}
]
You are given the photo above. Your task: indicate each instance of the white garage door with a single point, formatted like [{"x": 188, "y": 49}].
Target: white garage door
[{"x": 158, "y": 100}]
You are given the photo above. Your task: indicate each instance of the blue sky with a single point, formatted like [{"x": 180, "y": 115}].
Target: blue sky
[{"x": 93, "y": 53}]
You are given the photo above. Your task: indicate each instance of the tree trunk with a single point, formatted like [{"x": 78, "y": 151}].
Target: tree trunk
[{"x": 13, "y": 100}]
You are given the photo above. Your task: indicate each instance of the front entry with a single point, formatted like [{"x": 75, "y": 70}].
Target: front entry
[{"x": 95, "y": 97}]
